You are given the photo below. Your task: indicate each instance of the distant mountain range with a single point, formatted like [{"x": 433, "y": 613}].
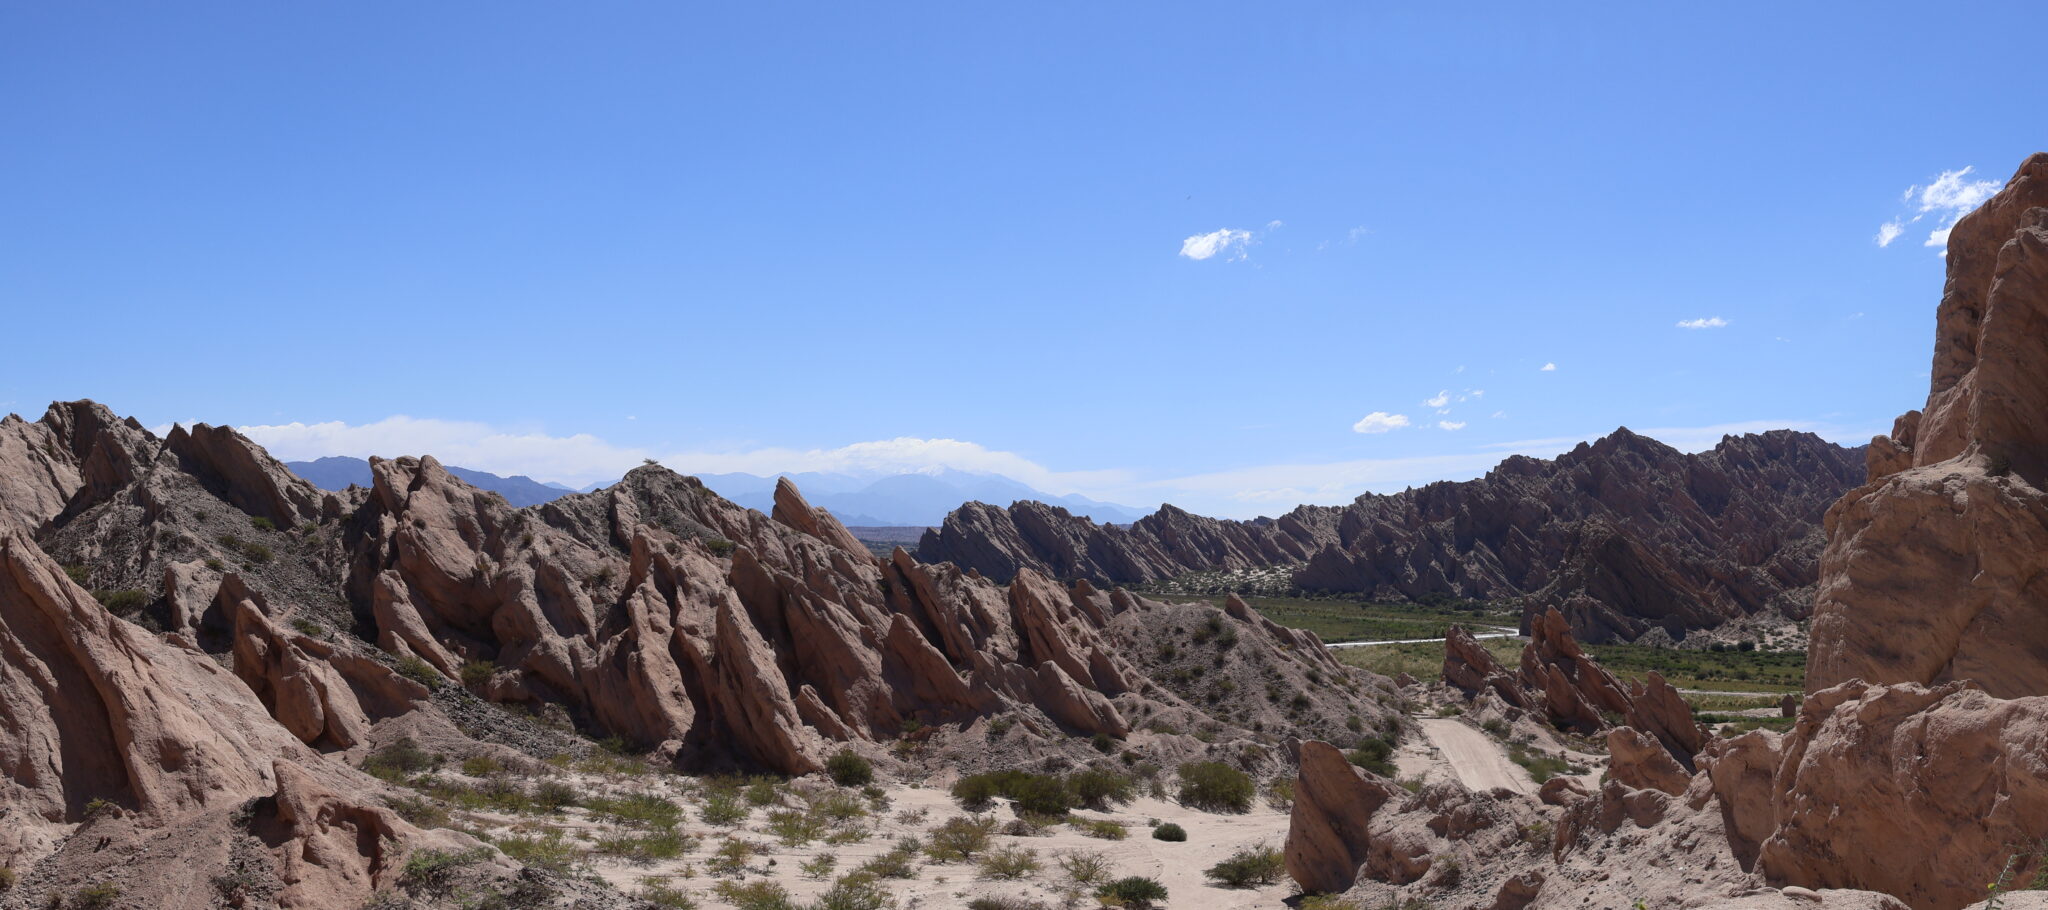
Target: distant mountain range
[
  {"x": 336, "y": 472},
  {"x": 900, "y": 500},
  {"x": 905, "y": 499}
]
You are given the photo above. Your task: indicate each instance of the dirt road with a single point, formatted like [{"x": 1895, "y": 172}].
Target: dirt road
[{"x": 1479, "y": 762}]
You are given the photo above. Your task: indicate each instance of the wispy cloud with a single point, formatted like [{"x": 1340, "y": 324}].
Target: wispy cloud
[
  {"x": 1379, "y": 422},
  {"x": 1226, "y": 242},
  {"x": 1710, "y": 322},
  {"x": 1438, "y": 400},
  {"x": 1943, "y": 201},
  {"x": 1547, "y": 368},
  {"x": 1453, "y": 425}
]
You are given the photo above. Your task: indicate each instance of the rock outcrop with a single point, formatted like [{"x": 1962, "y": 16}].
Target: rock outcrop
[
  {"x": 1937, "y": 569},
  {"x": 1565, "y": 687},
  {"x": 1623, "y": 535}
]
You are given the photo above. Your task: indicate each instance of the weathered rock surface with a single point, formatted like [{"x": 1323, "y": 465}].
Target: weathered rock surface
[
  {"x": 1622, "y": 535},
  {"x": 1937, "y": 569},
  {"x": 1559, "y": 682}
]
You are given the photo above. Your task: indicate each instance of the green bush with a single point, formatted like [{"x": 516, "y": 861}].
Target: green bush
[
  {"x": 94, "y": 897},
  {"x": 400, "y": 760},
  {"x": 122, "y": 602},
  {"x": 755, "y": 896},
  {"x": 1374, "y": 754},
  {"x": 477, "y": 672},
  {"x": 960, "y": 838},
  {"x": 432, "y": 872},
  {"x": 262, "y": 524},
  {"x": 78, "y": 574},
  {"x": 723, "y": 810},
  {"x": 1107, "y": 830},
  {"x": 849, "y": 770},
  {"x": 1097, "y": 788},
  {"x": 419, "y": 671},
  {"x": 639, "y": 810},
  {"x": 1170, "y": 832},
  {"x": 1248, "y": 867},
  {"x": 1216, "y": 787},
  {"x": 1010, "y": 863},
  {"x": 854, "y": 892},
  {"x": 6, "y": 878},
  {"x": 1039, "y": 794},
  {"x": 1133, "y": 893},
  {"x": 546, "y": 851}
]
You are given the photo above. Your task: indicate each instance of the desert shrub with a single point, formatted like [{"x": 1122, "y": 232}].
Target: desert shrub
[
  {"x": 795, "y": 828},
  {"x": 1133, "y": 893},
  {"x": 656, "y": 890},
  {"x": 849, "y": 770},
  {"x": 640, "y": 810},
  {"x": 400, "y": 760},
  {"x": 1249, "y": 866},
  {"x": 432, "y": 872},
  {"x": 1107, "y": 830},
  {"x": 731, "y": 857},
  {"x": 554, "y": 795},
  {"x": 648, "y": 848},
  {"x": 1374, "y": 754},
  {"x": 1010, "y": 863},
  {"x": 78, "y": 574},
  {"x": 1215, "y": 787},
  {"x": 1102, "y": 743},
  {"x": 1084, "y": 869},
  {"x": 755, "y": 896},
  {"x": 817, "y": 868},
  {"x": 477, "y": 672},
  {"x": 481, "y": 766},
  {"x": 723, "y": 810},
  {"x": 1170, "y": 832},
  {"x": 419, "y": 671},
  {"x": 123, "y": 601},
  {"x": 838, "y": 807},
  {"x": 960, "y": 838},
  {"x": 763, "y": 791},
  {"x": 546, "y": 851},
  {"x": 424, "y": 813},
  {"x": 854, "y": 892},
  {"x": 1042, "y": 794},
  {"x": 6, "y": 878},
  {"x": 1541, "y": 767},
  {"x": 1496, "y": 727},
  {"x": 1280, "y": 793},
  {"x": 1004, "y": 902},
  {"x": 1097, "y": 789},
  {"x": 899, "y": 862},
  {"x": 94, "y": 897},
  {"x": 719, "y": 546}
]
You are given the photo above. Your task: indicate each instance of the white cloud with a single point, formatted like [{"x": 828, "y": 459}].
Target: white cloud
[
  {"x": 1438, "y": 400},
  {"x": 1224, "y": 241},
  {"x": 1945, "y": 199},
  {"x": 1710, "y": 322},
  {"x": 1478, "y": 393},
  {"x": 1548, "y": 368},
  {"x": 582, "y": 458},
  {"x": 1499, "y": 414},
  {"x": 1275, "y": 223},
  {"x": 1888, "y": 232},
  {"x": 1451, "y": 424},
  {"x": 1379, "y": 422}
]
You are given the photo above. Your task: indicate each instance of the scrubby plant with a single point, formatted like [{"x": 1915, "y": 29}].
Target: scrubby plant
[
  {"x": 1132, "y": 893},
  {"x": 723, "y": 810},
  {"x": 819, "y": 867},
  {"x": 755, "y": 895},
  {"x": 94, "y": 897},
  {"x": 1084, "y": 869},
  {"x": 1010, "y": 863},
  {"x": 419, "y": 671},
  {"x": 1280, "y": 793},
  {"x": 1215, "y": 787},
  {"x": 648, "y": 848},
  {"x": 960, "y": 838},
  {"x": 400, "y": 760},
  {"x": 475, "y": 673},
  {"x": 1247, "y": 867},
  {"x": 795, "y": 828},
  {"x": 1107, "y": 830},
  {"x": 1098, "y": 789},
  {"x": 1374, "y": 754},
  {"x": 731, "y": 858},
  {"x": 656, "y": 890},
  {"x": 849, "y": 770},
  {"x": 854, "y": 892},
  {"x": 431, "y": 873},
  {"x": 123, "y": 602},
  {"x": 899, "y": 862},
  {"x": 481, "y": 766},
  {"x": 1170, "y": 832},
  {"x": 1043, "y": 794},
  {"x": 640, "y": 810},
  {"x": 547, "y": 851}
]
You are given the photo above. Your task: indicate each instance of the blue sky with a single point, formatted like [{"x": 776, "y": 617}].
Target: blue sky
[{"x": 553, "y": 239}]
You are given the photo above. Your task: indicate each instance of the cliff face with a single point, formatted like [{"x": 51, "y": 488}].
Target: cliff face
[
  {"x": 1937, "y": 569},
  {"x": 1621, "y": 535}
]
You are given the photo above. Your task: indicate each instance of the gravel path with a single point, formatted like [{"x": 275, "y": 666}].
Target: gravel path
[{"x": 1479, "y": 762}]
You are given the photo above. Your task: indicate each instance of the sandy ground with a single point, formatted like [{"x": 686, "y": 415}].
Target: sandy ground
[
  {"x": 1478, "y": 761},
  {"x": 915, "y": 811}
]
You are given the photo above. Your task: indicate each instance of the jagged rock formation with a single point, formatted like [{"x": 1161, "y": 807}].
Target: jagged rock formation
[
  {"x": 1612, "y": 847},
  {"x": 1937, "y": 569},
  {"x": 1622, "y": 535},
  {"x": 191, "y": 633},
  {"x": 1561, "y": 684}
]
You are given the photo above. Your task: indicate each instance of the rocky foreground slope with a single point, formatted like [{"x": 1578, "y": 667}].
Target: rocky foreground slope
[
  {"x": 1623, "y": 535},
  {"x": 197, "y": 650},
  {"x": 1916, "y": 770}
]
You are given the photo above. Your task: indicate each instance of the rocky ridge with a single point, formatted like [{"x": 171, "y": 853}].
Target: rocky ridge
[{"x": 1624, "y": 536}]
